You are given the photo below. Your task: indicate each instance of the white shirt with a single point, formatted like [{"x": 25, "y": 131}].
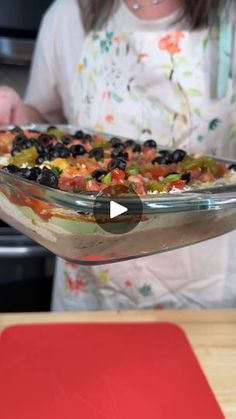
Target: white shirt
[
  {"x": 58, "y": 50},
  {"x": 56, "y": 55}
]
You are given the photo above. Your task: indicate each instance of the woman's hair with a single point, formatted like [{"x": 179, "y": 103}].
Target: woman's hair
[{"x": 197, "y": 12}]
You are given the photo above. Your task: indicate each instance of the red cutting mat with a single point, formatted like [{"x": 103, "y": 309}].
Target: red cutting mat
[{"x": 88, "y": 371}]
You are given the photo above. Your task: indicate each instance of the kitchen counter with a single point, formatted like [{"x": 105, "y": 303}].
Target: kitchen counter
[{"x": 212, "y": 334}]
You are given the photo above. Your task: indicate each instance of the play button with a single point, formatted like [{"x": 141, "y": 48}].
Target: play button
[{"x": 117, "y": 211}]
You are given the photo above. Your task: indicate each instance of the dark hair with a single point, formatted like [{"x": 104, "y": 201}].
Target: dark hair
[{"x": 197, "y": 12}]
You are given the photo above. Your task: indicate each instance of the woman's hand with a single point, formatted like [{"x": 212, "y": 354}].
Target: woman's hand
[
  {"x": 11, "y": 107},
  {"x": 14, "y": 111}
]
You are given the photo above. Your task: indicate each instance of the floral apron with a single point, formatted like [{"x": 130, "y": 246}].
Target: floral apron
[{"x": 163, "y": 86}]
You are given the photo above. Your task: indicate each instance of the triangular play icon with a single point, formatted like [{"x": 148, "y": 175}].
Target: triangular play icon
[{"x": 116, "y": 209}]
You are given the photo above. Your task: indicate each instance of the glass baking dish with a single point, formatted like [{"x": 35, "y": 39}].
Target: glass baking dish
[{"x": 64, "y": 222}]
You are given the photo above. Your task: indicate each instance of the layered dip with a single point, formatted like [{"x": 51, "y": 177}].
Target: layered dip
[
  {"x": 79, "y": 163},
  {"x": 82, "y": 162}
]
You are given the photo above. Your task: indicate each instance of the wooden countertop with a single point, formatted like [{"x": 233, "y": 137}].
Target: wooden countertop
[{"x": 212, "y": 334}]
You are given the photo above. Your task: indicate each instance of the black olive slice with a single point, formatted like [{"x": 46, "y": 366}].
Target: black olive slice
[
  {"x": 159, "y": 160},
  {"x": 48, "y": 178},
  {"x": 77, "y": 150},
  {"x": 99, "y": 174},
  {"x": 178, "y": 155},
  {"x": 11, "y": 168},
  {"x": 232, "y": 167},
  {"x": 186, "y": 177},
  {"x": 96, "y": 153},
  {"x": 114, "y": 141},
  {"x": 150, "y": 144},
  {"x": 67, "y": 139},
  {"x": 117, "y": 164}
]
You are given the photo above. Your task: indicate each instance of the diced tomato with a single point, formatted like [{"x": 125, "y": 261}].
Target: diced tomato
[
  {"x": 6, "y": 139},
  {"x": 7, "y": 136},
  {"x": 130, "y": 152},
  {"x": 117, "y": 175},
  {"x": 100, "y": 139},
  {"x": 149, "y": 153},
  {"x": 5, "y": 148},
  {"x": 148, "y": 175},
  {"x": 93, "y": 186},
  {"x": 71, "y": 184},
  {"x": 172, "y": 168},
  {"x": 206, "y": 177},
  {"x": 106, "y": 161},
  {"x": 41, "y": 208},
  {"x": 140, "y": 189},
  {"x": 195, "y": 173},
  {"x": 91, "y": 166},
  {"x": 178, "y": 184},
  {"x": 139, "y": 182},
  {"x": 222, "y": 170},
  {"x": 82, "y": 166},
  {"x": 156, "y": 171},
  {"x": 30, "y": 134},
  {"x": 18, "y": 198}
]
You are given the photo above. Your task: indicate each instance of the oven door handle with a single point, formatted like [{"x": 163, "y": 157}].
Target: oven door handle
[{"x": 23, "y": 251}]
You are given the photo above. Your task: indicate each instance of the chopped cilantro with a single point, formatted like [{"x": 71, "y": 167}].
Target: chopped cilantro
[
  {"x": 132, "y": 170},
  {"x": 78, "y": 190},
  {"x": 56, "y": 170},
  {"x": 132, "y": 187}
]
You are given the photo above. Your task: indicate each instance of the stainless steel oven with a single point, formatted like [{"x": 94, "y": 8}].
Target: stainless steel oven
[
  {"x": 19, "y": 23},
  {"x": 26, "y": 272},
  {"x": 26, "y": 269}
]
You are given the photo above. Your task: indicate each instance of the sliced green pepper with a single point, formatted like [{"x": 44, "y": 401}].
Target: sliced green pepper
[
  {"x": 155, "y": 186},
  {"x": 132, "y": 170},
  {"x": 172, "y": 177},
  {"x": 27, "y": 156},
  {"x": 106, "y": 180}
]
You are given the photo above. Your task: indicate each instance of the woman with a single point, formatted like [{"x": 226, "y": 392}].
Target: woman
[{"x": 142, "y": 69}]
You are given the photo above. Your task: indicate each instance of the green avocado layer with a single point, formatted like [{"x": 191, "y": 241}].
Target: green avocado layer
[
  {"x": 75, "y": 227},
  {"x": 29, "y": 213},
  {"x": 71, "y": 226}
]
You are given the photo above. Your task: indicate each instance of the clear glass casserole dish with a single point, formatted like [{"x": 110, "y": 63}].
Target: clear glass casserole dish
[{"x": 65, "y": 224}]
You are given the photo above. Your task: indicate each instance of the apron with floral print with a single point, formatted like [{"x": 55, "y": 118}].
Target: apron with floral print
[{"x": 154, "y": 85}]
